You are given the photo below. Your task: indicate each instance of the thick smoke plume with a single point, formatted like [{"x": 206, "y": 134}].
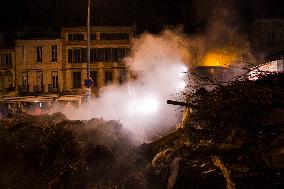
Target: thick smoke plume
[
  {"x": 140, "y": 104},
  {"x": 159, "y": 62}
]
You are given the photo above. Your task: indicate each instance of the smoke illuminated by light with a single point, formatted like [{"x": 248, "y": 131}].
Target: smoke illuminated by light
[
  {"x": 141, "y": 104},
  {"x": 182, "y": 77},
  {"x": 181, "y": 85},
  {"x": 184, "y": 69}
]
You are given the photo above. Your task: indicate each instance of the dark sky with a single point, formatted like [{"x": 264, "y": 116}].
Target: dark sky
[{"x": 149, "y": 15}]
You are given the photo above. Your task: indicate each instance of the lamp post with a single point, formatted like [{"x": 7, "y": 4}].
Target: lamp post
[
  {"x": 88, "y": 81},
  {"x": 89, "y": 40}
]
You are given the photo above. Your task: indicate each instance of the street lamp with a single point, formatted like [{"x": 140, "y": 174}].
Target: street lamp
[
  {"x": 88, "y": 81},
  {"x": 89, "y": 40}
]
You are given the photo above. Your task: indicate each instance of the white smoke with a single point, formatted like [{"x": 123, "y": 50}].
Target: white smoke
[{"x": 141, "y": 104}]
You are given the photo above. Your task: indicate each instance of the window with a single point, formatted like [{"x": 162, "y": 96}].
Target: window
[
  {"x": 8, "y": 79},
  {"x": 24, "y": 78},
  {"x": 39, "y": 53},
  {"x": 114, "y": 36},
  {"x": 76, "y": 79},
  {"x": 108, "y": 77},
  {"x": 93, "y": 55},
  {"x": 39, "y": 79},
  {"x": 54, "y": 79},
  {"x": 97, "y": 55},
  {"x": 23, "y": 54},
  {"x": 70, "y": 55},
  {"x": 75, "y": 37},
  {"x": 94, "y": 77},
  {"x": 108, "y": 54},
  {"x": 121, "y": 53},
  {"x": 6, "y": 59},
  {"x": 114, "y": 54},
  {"x": 122, "y": 76},
  {"x": 84, "y": 55},
  {"x": 100, "y": 55},
  {"x": 77, "y": 55},
  {"x": 53, "y": 53},
  {"x": 93, "y": 36}
]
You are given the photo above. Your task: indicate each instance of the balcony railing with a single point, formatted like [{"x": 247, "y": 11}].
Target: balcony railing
[
  {"x": 53, "y": 89},
  {"x": 6, "y": 66},
  {"x": 38, "y": 89},
  {"x": 22, "y": 89}
]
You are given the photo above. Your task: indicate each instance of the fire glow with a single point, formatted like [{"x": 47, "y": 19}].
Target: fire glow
[{"x": 219, "y": 58}]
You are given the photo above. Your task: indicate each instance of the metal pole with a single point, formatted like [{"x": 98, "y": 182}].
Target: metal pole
[
  {"x": 89, "y": 40},
  {"x": 88, "y": 89}
]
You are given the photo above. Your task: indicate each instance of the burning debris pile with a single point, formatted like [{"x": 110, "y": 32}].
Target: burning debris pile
[{"x": 233, "y": 137}]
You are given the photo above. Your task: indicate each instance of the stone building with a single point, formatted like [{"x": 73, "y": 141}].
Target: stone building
[
  {"x": 7, "y": 70},
  {"x": 60, "y": 65},
  {"x": 109, "y": 47},
  {"x": 38, "y": 66}
]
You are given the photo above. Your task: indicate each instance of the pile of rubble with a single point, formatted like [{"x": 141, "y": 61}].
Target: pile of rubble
[{"x": 233, "y": 137}]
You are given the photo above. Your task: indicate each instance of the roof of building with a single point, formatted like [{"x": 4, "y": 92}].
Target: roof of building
[{"x": 99, "y": 28}]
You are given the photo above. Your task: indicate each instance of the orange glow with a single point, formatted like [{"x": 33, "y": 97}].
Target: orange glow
[{"x": 219, "y": 58}]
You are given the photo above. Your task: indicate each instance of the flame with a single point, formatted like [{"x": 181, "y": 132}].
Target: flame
[{"x": 219, "y": 58}]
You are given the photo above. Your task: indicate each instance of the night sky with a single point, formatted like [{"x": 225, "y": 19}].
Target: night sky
[{"x": 150, "y": 15}]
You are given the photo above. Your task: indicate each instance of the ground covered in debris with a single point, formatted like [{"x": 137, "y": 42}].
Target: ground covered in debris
[
  {"x": 49, "y": 151},
  {"x": 233, "y": 136}
]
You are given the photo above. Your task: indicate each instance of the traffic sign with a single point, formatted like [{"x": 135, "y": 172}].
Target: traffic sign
[{"x": 88, "y": 83}]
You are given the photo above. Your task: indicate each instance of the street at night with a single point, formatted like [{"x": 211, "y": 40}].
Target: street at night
[{"x": 104, "y": 94}]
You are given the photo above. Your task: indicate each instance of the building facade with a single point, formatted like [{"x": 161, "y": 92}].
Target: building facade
[
  {"x": 7, "y": 71},
  {"x": 60, "y": 65},
  {"x": 109, "y": 47},
  {"x": 38, "y": 66}
]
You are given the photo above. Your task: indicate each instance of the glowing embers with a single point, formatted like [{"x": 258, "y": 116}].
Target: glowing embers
[
  {"x": 143, "y": 105},
  {"x": 221, "y": 57}
]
